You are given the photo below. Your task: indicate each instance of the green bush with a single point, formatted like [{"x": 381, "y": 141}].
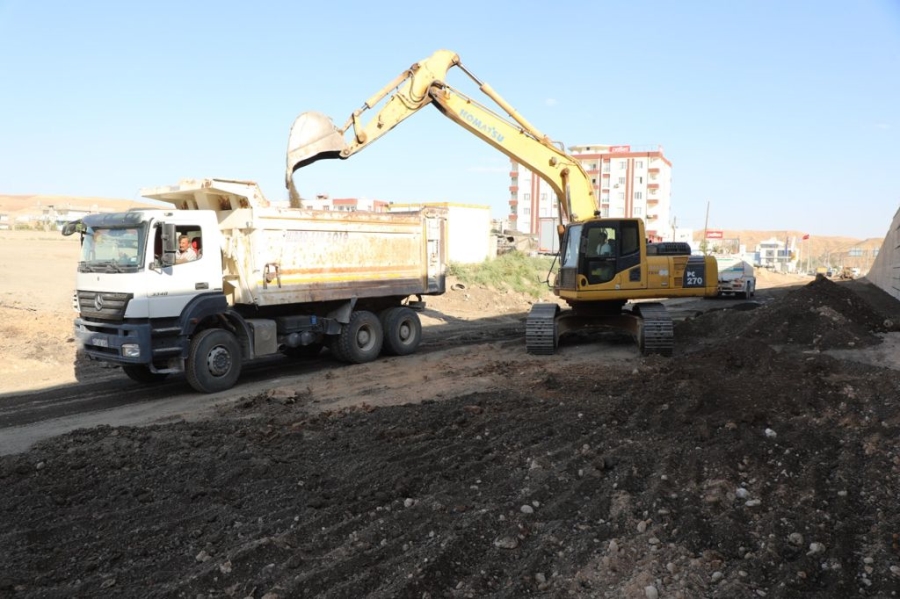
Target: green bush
[{"x": 513, "y": 270}]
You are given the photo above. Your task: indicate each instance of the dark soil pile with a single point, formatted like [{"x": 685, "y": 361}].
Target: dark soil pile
[
  {"x": 822, "y": 315},
  {"x": 738, "y": 468}
]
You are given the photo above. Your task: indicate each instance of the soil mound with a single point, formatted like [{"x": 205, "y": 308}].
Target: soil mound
[{"x": 821, "y": 315}]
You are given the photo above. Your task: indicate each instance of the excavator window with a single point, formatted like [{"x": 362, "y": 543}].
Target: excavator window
[
  {"x": 601, "y": 241},
  {"x": 631, "y": 240},
  {"x": 573, "y": 243},
  {"x": 601, "y": 250}
]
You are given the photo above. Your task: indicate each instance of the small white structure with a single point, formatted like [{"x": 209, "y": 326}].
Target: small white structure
[{"x": 469, "y": 239}]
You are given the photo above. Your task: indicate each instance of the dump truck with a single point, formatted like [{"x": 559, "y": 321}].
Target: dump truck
[
  {"x": 262, "y": 279},
  {"x": 736, "y": 277}
]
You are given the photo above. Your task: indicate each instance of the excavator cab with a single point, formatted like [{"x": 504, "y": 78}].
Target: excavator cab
[{"x": 598, "y": 252}]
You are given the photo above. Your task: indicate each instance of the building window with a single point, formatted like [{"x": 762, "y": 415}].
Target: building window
[
  {"x": 543, "y": 210},
  {"x": 639, "y": 164},
  {"x": 543, "y": 198},
  {"x": 526, "y": 211},
  {"x": 638, "y": 195},
  {"x": 526, "y": 197},
  {"x": 605, "y": 166},
  {"x": 637, "y": 211},
  {"x": 623, "y": 164},
  {"x": 640, "y": 180},
  {"x": 620, "y": 195},
  {"x": 621, "y": 180}
]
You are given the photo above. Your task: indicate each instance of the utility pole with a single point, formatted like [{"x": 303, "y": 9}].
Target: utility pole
[{"x": 705, "y": 245}]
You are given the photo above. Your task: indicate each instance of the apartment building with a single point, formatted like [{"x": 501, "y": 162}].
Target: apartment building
[
  {"x": 628, "y": 182},
  {"x": 324, "y": 202}
]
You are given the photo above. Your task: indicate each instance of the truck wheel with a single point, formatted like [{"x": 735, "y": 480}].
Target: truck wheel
[
  {"x": 360, "y": 339},
  {"x": 334, "y": 346},
  {"x": 402, "y": 331},
  {"x": 214, "y": 361},
  {"x": 140, "y": 373}
]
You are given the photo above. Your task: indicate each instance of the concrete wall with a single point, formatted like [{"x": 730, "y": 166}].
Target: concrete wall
[{"x": 885, "y": 271}]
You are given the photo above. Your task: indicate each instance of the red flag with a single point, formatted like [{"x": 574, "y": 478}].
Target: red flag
[{"x": 805, "y": 237}]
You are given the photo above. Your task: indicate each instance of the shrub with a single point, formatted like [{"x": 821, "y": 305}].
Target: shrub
[{"x": 513, "y": 270}]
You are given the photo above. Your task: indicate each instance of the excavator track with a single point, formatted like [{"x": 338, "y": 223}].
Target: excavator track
[
  {"x": 540, "y": 330},
  {"x": 657, "y": 332}
]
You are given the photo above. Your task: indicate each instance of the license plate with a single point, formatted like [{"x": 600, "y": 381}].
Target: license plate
[{"x": 99, "y": 342}]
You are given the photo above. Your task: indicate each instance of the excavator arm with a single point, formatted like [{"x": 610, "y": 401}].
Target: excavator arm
[{"x": 314, "y": 137}]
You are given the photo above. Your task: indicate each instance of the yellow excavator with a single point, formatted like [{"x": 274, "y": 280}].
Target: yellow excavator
[{"x": 607, "y": 272}]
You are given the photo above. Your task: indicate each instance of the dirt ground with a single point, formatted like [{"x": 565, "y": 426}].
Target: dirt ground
[{"x": 761, "y": 460}]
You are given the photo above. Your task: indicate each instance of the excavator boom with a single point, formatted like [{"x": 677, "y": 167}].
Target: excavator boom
[{"x": 314, "y": 136}]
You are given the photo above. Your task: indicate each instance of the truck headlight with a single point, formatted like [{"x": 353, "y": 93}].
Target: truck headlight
[{"x": 131, "y": 350}]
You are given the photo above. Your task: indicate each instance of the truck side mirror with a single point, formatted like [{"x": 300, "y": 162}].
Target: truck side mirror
[{"x": 71, "y": 227}]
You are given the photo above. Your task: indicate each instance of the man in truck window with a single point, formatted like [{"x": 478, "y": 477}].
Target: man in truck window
[{"x": 185, "y": 252}]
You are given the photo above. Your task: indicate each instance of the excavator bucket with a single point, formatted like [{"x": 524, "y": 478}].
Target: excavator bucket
[{"x": 313, "y": 137}]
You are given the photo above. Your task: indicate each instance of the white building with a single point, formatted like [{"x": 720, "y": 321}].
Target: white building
[
  {"x": 628, "y": 182},
  {"x": 469, "y": 237}
]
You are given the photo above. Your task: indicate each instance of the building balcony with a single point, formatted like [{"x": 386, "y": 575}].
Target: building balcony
[
  {"x": 513, "y": 189},
  {"x": 653, "y": 171},
  {"x": 652, "y": 186},
  {"x": 653, "y": 201}
]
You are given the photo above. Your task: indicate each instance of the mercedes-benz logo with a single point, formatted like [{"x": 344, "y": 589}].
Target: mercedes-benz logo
[{"x": 98, "y": 302}]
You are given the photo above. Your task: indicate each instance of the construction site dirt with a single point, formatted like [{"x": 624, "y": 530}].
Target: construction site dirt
[{"x": 760, "y": 460}]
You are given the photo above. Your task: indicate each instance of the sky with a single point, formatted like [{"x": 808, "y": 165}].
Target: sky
[{"x": 775, "y": 115}]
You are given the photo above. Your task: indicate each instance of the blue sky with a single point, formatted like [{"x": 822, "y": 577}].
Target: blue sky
[{"x": 777, "y": 115}]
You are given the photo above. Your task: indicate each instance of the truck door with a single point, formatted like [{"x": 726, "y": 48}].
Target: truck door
[{"x": 195, "y": 272}]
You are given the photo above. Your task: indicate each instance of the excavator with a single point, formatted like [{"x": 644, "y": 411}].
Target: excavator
[{"x": 608, "y": 272}]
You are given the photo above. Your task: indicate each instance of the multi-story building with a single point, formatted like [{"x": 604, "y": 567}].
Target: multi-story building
[
  {"x": 628, "y": 182},
  {"x": 324, "y": 202}
]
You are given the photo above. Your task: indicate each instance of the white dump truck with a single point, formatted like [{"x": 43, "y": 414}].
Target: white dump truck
[
  {"x": 256, "y": 280},
  {"x": 736, "y": 277}
]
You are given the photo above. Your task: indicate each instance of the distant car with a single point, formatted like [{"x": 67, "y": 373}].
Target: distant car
[{"x": 829, "y": 274}]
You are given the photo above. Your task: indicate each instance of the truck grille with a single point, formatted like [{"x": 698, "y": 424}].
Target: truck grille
[{"x": 102, "y": 305}]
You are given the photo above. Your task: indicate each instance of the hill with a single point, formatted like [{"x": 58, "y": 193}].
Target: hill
[
  {"x": 844, "y": 251},
  {"x": 31, "y": 206}
]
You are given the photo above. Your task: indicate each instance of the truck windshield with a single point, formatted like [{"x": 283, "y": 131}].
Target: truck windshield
[{"x": 113, "y": 249}]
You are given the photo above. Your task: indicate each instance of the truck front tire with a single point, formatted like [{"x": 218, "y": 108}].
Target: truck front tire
[
  {"x": 214, "y": 361},
  {"x": 402, "y": 331}
]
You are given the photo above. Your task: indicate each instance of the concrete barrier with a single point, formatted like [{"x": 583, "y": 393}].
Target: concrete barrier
[{"x": 885, "y": 271}]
